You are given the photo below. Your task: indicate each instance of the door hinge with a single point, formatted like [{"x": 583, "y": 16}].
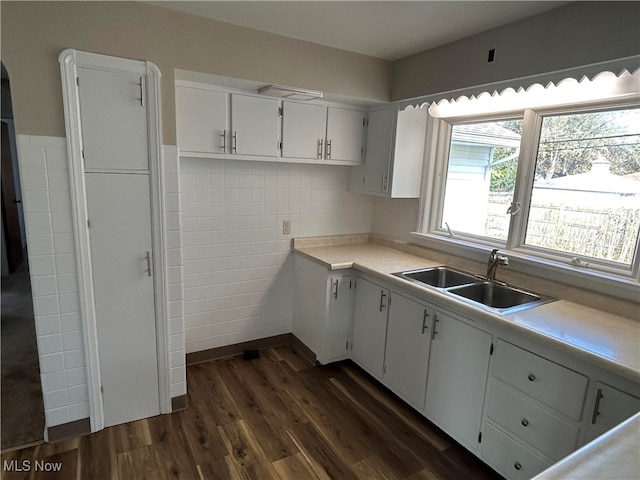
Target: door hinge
[
  {"x": 88, "y": 223},
  {"x": 102, "y": 389},
  {"x": 350, "y": 282},
  {"x": 389, "y": 302},
  {"x": 480, "y": 437},
  {"x": 364, "y": 121},
  {"x": 280, "y": 112},
  {"x": 280, "y": 145},
  {"x": 78, "y": 81},
  {"x": 83, "y": 154},
  {"x": 491, "y": 350},
  {"x": 346, "y": 347}
]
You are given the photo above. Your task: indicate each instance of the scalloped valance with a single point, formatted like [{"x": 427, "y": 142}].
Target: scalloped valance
[{"x": 603, "y": 81}]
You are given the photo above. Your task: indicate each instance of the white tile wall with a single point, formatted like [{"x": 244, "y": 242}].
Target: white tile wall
[
  {"x": 47, "y": 205},
  {"x": 173, "y": 238},
  {"x": 237, "y": 262}
]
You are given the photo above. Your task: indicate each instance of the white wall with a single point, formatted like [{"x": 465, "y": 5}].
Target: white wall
[
  {"x": 46, "y": 190},
  {"x": 237, "y": 262},
  {"x": 395, "y": 217}
]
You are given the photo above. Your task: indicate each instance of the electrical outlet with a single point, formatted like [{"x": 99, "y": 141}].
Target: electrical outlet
[{"x": 286, "y": 227}]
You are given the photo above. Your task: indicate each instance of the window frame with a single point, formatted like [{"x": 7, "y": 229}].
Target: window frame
[{"x": 609, "y": 277}]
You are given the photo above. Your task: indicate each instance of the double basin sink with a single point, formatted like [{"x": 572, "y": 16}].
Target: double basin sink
[{"x": 496, "y": 295}]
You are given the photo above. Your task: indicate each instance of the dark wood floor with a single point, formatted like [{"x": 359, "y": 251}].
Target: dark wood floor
[{"x": 276, "y": 417}]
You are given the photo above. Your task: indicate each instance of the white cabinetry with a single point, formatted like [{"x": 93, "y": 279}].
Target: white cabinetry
[
  {"x": 611, "y": 407},
  {"x": 201, "y": 120},
  {"x": 370, "y": 326},
  {"x": 254, "y": 125},
  {"x": 345, "y": 130},
  {"x": 394, "y": 153},
  {"x": 304, "y": 128},
  {"x": 322, "y": 309},
  {"x": 457, "y": 378},
  {"x": 407, "y": 348},
  {"x": 533, "y": 411}
]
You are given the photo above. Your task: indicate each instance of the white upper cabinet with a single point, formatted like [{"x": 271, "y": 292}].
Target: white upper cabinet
[
  {"x": 218, "y": 122},
  {"x": 254, "y": 125},
  {"x": 394, "y": 153},
  {"x": 202, "y": 120},
  {"x": 345, "y": 130},
  {"x": 304, "y": 127}
]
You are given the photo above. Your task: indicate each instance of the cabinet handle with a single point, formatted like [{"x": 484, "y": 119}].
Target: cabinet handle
[
  {"x": 599, "y": 397},
  {"x": 424, "y": 321},
  {"x": 142, "y": 92},
  {"x": 224, "y": 140},
  {"x": 524, "y": 422},
  {"x": 531, "y": 377},
  {"x": 320, "y": 148},
  {"x": 517, "y": 466},
  {"x": 385, "y": 181},
  {"x": 149, "y": 263},
  {"x": 433, "y": 327},
  {"x": 235, "y": 141},
  {"x": 382, "y": 295},
  {"x": 335, "y": 290},
  {"x": 328, "y": 148}
]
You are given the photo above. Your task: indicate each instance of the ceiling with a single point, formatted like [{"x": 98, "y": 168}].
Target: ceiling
[{"x": 384, "y": 29}]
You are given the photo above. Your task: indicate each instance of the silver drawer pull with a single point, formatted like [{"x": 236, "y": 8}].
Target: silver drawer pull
[
  {"x": 524, "y": 422},
  {"x": 149, "y": 263},
  {"x": 531, "y": 377},
  {"x": 596, "y": 408},
  {"x": 424, "y": 321},
  {"x": 382, "y": 295},
  {"x": 517, "y": 466}
]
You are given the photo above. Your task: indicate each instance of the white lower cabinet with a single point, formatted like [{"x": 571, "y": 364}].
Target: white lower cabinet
[
  {"x": 322, "y": 309},
  {"x": 370, "y": 326},
  {"x": 407, "y": 349},
  {"x": 611, "y": 407},
  {"x": 457, "y": 378},
  {"x": 508, "y": 457}
]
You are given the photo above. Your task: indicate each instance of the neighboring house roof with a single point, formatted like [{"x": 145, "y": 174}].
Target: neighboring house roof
[
  {"x": 598, "y": 179},
  {"x": 488, "y": 134}
]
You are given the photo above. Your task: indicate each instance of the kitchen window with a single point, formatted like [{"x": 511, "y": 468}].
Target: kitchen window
[{"x": 557, "y": 186}]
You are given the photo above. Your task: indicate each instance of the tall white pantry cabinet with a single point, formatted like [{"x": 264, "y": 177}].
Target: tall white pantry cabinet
[{"x": 114, "y": 162}]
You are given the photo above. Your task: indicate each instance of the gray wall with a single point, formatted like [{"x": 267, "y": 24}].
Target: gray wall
[
  {"x": 34, "y": 34},
  {"x": 576, "y": 34}
]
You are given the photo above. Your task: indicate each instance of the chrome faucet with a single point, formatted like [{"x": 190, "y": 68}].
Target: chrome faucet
[{"x": 494, "y": 261}]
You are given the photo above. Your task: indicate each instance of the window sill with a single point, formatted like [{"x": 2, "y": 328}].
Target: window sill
[{"x": 622, "y": 287}]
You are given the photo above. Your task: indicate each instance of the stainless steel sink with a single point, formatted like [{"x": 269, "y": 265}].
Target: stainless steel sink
[
  {"x": 503, "y": 298},
  {"x": 441, "y": 277}
]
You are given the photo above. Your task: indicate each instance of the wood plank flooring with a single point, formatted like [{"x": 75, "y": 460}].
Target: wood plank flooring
[{"x": 276, "y": 417}]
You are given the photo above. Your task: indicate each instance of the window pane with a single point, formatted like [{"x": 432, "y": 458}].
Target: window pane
[
  {"x": 586, "y": 195},
  {"x": 481, "y": 177}
]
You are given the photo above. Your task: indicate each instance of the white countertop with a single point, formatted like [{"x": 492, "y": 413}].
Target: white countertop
[{"x": 601, "y": 338}]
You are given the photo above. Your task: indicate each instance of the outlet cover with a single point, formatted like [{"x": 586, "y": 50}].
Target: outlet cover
[{"x": 286, "y": 227}]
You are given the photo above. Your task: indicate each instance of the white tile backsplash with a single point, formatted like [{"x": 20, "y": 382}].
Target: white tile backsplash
[{"x": 237, "y": 262}]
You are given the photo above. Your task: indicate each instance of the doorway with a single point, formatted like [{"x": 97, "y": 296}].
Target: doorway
[{"x": 22, "y": 410}]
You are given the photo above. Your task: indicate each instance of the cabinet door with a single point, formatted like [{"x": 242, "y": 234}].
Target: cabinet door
[
  {"x": 407, "y": 350},
  {"x": 201, "y": 120},
  {"x": 344, "y": 134},
  {"x": 457, "y": 378},
  {"x": 611, "y": 407},
  {"x": 303, "y": 130},
  {"x": 114, "y": 120},
  {"x": 370, "y": 326},
  {"x": 254, "y": 125},
  {"x": 378, "y": 151},
  {"x": 340, "y": 303}
]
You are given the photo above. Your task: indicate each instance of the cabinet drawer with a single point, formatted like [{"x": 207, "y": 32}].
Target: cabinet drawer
[
  {"x": 508, "y": 457},
  {"x": 552, "y": 384},
  {"x": 548, "y": 433}
]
